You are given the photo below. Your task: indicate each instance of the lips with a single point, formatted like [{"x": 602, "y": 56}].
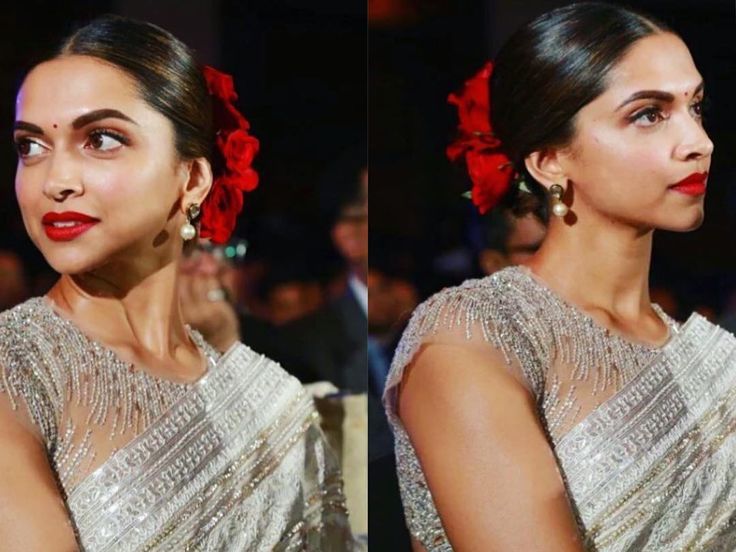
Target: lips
[
  {"x": 66, "y": 226},
  {"x": 693, "y": 184}
]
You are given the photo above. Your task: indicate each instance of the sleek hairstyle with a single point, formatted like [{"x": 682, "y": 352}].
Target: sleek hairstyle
[
  {"x": 164, "y": 70},
  {"x": 547, "y": 71}
]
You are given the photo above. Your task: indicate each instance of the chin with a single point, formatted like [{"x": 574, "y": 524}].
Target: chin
[
  {"x": 70, "y": 266},
  {"x": 70, "y": 260},
  {"x": 687, "y": 222}
]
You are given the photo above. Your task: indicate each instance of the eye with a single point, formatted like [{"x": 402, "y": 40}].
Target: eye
[
  {"x": 699, "y": 108},
  {"x": 106, "y": 140},
  {"x": 649, "y": 116},
  {"x": 28, "y": 147}
]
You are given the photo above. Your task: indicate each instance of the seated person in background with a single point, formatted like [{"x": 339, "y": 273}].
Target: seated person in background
[
  {"x": 508, "y": 240},
  {"x": 326, "y": 345}
]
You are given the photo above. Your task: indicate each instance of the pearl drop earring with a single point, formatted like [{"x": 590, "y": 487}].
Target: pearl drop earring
[
  {"x": 188, "y": 230},
  {"x": 558, "y": 206}
]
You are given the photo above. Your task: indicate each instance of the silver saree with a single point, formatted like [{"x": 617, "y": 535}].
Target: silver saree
[
  {"x": 645, "y": 437},
  {"x": 233, "y": 462}
]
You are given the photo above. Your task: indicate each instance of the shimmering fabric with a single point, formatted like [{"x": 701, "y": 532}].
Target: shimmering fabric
[
  {"x": 235, "y": 461},
  {"x": 644, "y": 436}
]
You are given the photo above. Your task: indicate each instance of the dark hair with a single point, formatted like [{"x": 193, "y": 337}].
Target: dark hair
[
  {"x": 165, "y": 72},
  {"x": 547, "y": 71}
]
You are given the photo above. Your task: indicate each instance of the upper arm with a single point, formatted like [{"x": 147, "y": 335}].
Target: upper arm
[
  {"x": 493, "y": 476},
  {"x": 33, "y": 515}
]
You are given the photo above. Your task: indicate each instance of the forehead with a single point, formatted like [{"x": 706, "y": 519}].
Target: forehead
[
  {"x": 64, "y": 88},
  {"x": 656, "y": 62}
]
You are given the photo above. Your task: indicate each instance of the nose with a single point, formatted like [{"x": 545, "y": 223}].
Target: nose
[
  {"x": 62, "y": 180},
  {"x": 695, "y": 143}
]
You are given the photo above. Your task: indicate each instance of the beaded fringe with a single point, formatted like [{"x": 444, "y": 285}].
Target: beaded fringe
[{"x": 49, "y": 364}]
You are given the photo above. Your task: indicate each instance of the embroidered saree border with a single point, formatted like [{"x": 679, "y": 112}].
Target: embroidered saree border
[
  {"x": 240, "y": 476},
  {"x": 659, "y": 436},
  {"x": 655, "y": 488},
  {"x": 620, "y": 430}
]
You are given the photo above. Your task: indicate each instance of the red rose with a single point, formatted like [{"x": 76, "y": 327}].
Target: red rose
[
  {"x": 220, "y": 212},
  {"x": 491, "y": 174},
  {"x": 222, "y": 206},
  {"x": 473, "y": 104},
  {"x": 246, "y": 181},
  {"x": 490, "y": 170},
  {"x": 220, "y": 84},
  {"x": 238, "y": 148},
  {"x": 457, "y": 148}
]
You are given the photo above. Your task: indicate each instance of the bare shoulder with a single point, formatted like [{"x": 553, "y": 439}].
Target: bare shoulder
[
  {"x": 480, "y": 318},
  {"x": 485, "y": 456},
  {"x": 33, "y": 514}
]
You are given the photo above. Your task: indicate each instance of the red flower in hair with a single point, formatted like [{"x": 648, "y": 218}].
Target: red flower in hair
[
  {"x": 221, "y": 207},
  {"x": 220, "y": 212},
  {"x": 219, "y": 84},
  {"x": 473, "y": 104},
  {"x": 490, "y": 170},
  {"x": 491, "y": 174},
  {"x": 239, "y": 148}
]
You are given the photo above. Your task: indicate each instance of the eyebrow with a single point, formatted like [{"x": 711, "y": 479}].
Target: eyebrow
[
  {"x": 79, "y": 122},
  {"x": 656, "y": 95}
]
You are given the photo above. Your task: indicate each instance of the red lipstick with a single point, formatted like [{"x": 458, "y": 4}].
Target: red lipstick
[
  {"x": 67, "y": 225},
  {"x": 693, "y": 185}
]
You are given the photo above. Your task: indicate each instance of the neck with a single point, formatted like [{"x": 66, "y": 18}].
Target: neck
[
  {"x": 598, "y": 266},
  {"x": 143, "y": 313}
]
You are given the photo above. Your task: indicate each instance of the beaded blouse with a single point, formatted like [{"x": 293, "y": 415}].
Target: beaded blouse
[
  {"x": 563, "y": 357},
  {"x": 85, "y": 401},
  {"x": 234, "y": 461}
]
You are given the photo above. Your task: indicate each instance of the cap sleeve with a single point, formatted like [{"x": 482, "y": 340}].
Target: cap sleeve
[
  {"x": 485, "y": 314},
  {"x": 26, "y": 383}
]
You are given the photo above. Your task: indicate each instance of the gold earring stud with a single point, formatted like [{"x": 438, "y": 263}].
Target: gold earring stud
[
  {"x": 559, "y": 209},
  {"x": 188, "y": 231}
]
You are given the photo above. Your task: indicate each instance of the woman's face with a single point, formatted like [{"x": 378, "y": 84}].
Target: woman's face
[
  {"x": 642, "y": 136},
  {"x": 98, "y": 181}
]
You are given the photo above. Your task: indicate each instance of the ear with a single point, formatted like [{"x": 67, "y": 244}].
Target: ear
[
  {"x": 546, "y": 166},
  {"x": 197, "y": 182}
]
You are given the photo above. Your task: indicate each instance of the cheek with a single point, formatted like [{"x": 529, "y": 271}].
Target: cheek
[
  {"x": 611, "y": 163},
  {"x": 132, "y": 194}
]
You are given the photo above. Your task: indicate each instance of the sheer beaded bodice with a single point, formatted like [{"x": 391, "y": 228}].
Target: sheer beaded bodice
[
  {"x": 566, "y": 360},
  {"x": 86, "y": 402}
]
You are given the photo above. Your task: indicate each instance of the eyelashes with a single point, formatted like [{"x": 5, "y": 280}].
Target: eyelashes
[
  {"x": 22, "y": 146},
  {"x": 98, "y": 135},
  {"x": 104, "y": 140},
  {"x": 654, "y": 114}
]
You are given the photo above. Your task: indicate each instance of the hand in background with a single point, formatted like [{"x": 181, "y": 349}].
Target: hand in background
[{"x": 205, "y": 300}]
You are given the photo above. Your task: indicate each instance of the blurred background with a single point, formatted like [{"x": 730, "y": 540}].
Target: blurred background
[{"x": 424, "y": 235}]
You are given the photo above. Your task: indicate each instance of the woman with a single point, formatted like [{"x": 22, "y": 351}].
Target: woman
[
  {"x": 122, "y": 429},
  {"x": 551, "y": 406}
]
